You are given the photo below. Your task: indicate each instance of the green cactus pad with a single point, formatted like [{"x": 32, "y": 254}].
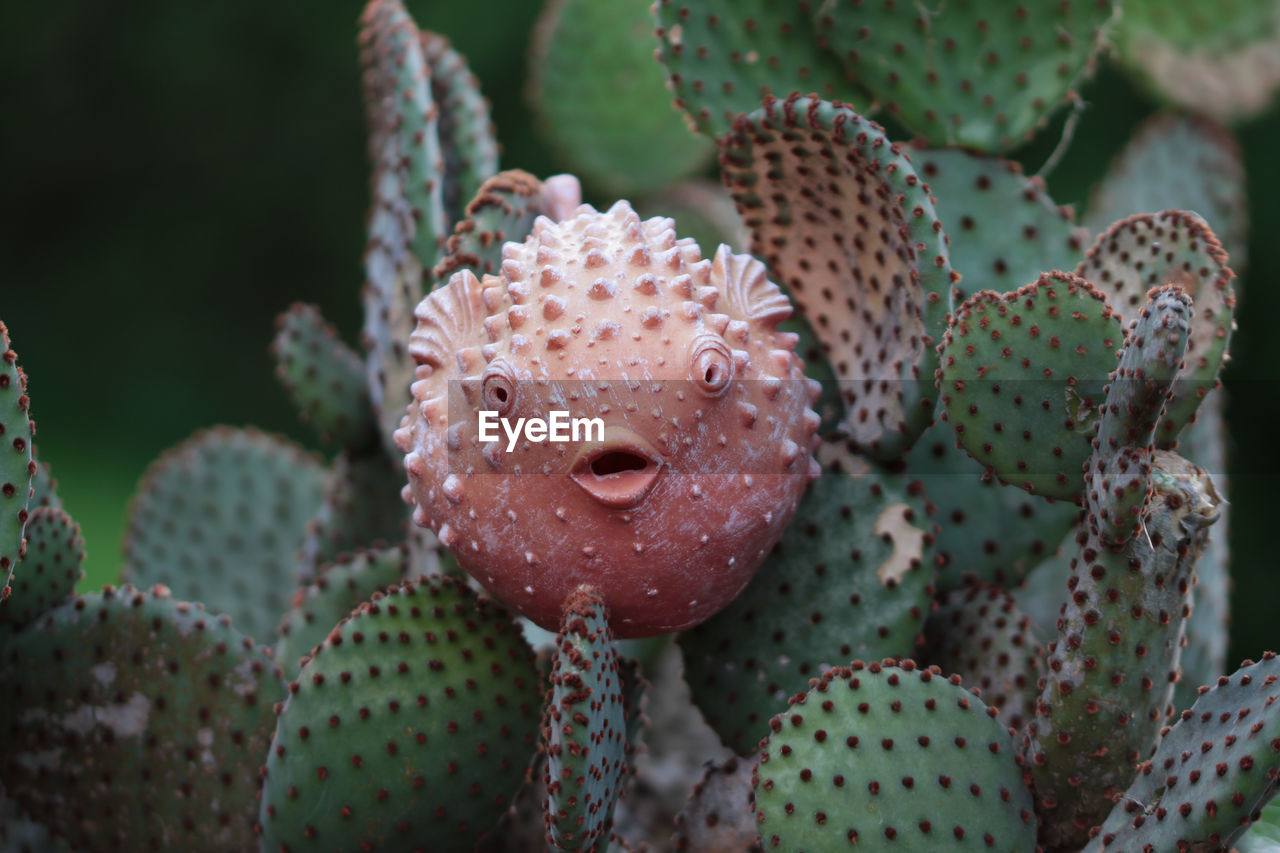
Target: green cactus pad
[
  {"x": 1177, "y": 162},
  {"x": 393, "y": 273},
  {"x": 889, "y": 757},
  {"x": 337, "y": 589},
  {"x": 1171, "y": 247},
  {"x": 600, "y": 102},
  {"x": 1218, "y": 59},
  {"x": 976, "y": 539},
  {"x": 1214, "y": 770},
  {"x": 137, "y": 722},
  {"x": 1022, "y": 378},
  {"x": 219, "y": 518},
  {"x": 465, "y": 131},
  {"x": 1004, "y": 228},
  {"x": 979, "y": 634},
  {"x": 17, "y": 466},
  {"x": 723, "y": 58},
  {"x": 403, "y": 113},
  {"x": 48, "y": 573},
  {"x": 362, "y": 508},
  {"x": 584, "y": 728},
  {"x": 44, "y": 488},
  {"x": 1205, "y": 656},
  {"x": 415, "y": 719},
  {"x": 1108, "y": 680},
  {"x": 718, "y": 816},
  {"x": 850, "y": 578},
  {"x": 967, "y": 73},
  {"x": 503, "y": 211},
  {"x": 1041, "y": 595},
  {"x": 1118, "y": 476},
  {"x": 865, "y": 260},
  {"x": 325, "y": 377}
]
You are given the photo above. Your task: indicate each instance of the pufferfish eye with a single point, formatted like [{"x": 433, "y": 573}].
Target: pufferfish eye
[
  {"x": 498, "y": 387},
  {"x": 711, "y": 365}
]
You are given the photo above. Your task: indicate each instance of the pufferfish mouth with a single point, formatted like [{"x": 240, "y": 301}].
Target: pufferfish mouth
[{"x": 619, "y": 471}]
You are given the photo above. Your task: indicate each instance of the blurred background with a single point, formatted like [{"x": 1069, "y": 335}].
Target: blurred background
[{"x": 178, "y": 174}]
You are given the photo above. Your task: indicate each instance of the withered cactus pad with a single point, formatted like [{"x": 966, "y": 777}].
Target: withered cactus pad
[{"x": 708, "y": 425}]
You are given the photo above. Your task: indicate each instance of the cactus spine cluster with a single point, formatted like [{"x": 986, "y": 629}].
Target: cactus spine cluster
[{"x": 983, "y": 628}]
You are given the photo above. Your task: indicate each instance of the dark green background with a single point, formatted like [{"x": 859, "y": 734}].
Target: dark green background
[{"x": 178, "y": 173}]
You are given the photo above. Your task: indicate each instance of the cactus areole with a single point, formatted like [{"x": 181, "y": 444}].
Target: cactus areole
[{"x": 704, "y": 422}]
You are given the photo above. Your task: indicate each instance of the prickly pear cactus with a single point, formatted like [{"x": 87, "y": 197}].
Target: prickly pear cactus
[
  {"x": 889, "y": 757},
  {"x": 1022, "y": 377},
  {"x": 136, "y": 722},
  {"x": 584, "y": 728},
  {"x": 414, "y": 719},
  {"x": 599, "y": 101},
  {"x": 1110, "y": 673},
  {"x": 323, "y": 375},
  {"x": 1214, "y": 769},
  {"x": 16, "y": 464},
  {"x": 337, "y": 589},
  {"x": 1172, "y": 247},
  {"x": 851, "y": 578},
  {"x": 723, "y": 58},
  {"x": 967, "y": 73},
  {"x": 877, "y": 298},
  {"x": 219, "y": 518},
  {"x": 49, "y": 571}
]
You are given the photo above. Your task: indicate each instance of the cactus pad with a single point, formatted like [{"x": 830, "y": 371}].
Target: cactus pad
[
  {"x": 1022, "y": 378},
  {"x": 503, "y": 211},
  {"x": 1218, "y": 60},
  {"x": 967, "y": 73},
  {"x": 219, "y": 518},
  {"x": 584, "y": 729},
  {"x": 598, "y": 98},
  {"x": 137, "y": 722},
  {"x": 1214, "y": 769},
  {"x": 44, "y": 488},
  {"x": 851, "y": 577},
  {"x": 890, "y": 757},
  {"x": 1176, "y": 162},
  {"x": 393, "y": 273},
  {"x": 465, "y": 131},
  {"x": 1171, "y": 247},
  {"x": 17, "y": 466},
  {"x": 1004, "y": 228},
  {"x": 49, "y": 571},
  {"x": 865, "y": 259},
  {"x": 337, "y": 589},
  {"x": 362, "y": 508},
  {"x": 414, "y": 720},
  {"x": 976, "y": 541},
  {"x": 723, "y": 58},
  {"x": 979, "y": 634},
  {"x": 403, "y": 116},
  {"x": 1109, "y": 675},
  {"x": 324, "y": 376}
]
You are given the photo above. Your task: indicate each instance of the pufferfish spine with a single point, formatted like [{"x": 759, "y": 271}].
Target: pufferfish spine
[{"x": 708, "y": 427}]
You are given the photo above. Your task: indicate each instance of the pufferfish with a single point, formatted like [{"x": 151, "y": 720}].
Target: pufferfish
[{"x": 703, "y": 445}]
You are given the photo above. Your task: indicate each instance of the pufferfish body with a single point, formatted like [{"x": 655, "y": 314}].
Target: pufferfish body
[{"x": 694, "y": 434}]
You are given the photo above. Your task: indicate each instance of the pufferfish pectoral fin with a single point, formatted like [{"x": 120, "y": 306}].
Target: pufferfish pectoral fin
[
  {"x": 450, "y": 319},
  {"x": 749, "y": 295}
]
